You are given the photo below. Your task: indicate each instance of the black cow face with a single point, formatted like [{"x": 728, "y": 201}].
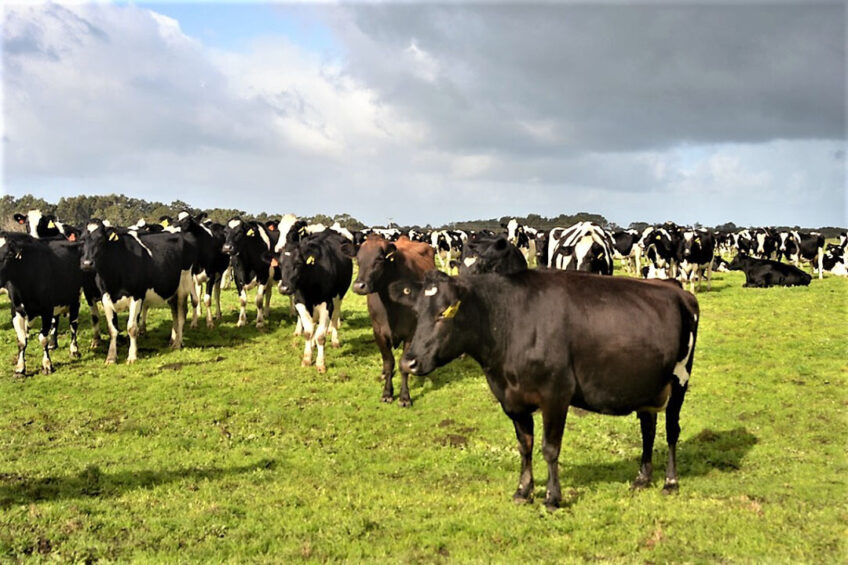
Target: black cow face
[
  {"x": 94, "y": 240},
  {"x": 294, "y": 259},
  {"x": 235, "y": 235},
  {"x": 437, "y": 301}
]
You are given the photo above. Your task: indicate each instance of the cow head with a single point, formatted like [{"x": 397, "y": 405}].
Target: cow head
[
  {"x": 10, "y": 250},
  {"x": 236, "y": 235},
  {"x": 376, "y": 256},
  {"x": 294, "y": 260},
  {"x": 483, "y": 254},
  {"x": 438, "y": 304},
  {"x": 95, "y": 238}
]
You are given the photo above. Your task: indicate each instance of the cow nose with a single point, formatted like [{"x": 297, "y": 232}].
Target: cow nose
[
  {"x": 408, "y": 365},
  {"x": 359, "y": 286},
  {"x": 86, "y": 264},
  {"x": 283, "y": 288},
  {"x": 227, "y": 248}
]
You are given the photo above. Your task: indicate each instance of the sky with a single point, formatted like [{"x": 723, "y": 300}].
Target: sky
[{"x": 428, "y": 113}]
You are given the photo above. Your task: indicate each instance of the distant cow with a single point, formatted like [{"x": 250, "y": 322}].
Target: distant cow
[
  {"x": 763, "y": 273},
  {"x": 521, "y": 236},
  {"x": 582, "y": 247},
  {"x": 210, "y": 263},
  {"x": 42, "y": 279},
  {"x": 695, "y": 257},
  {"x": 248, "y": 242},
  {"x": 447, "y": 245},
  {"x": 382, "y": 262},
  {"x": 134, "y": 270},
  {"x": 835, "y": 261},
  {"x": 659, "y": 247},
  {"x": 765, "y": 244},
  {"x": 626, "y": 247},
  {"x": 317, "y": 273},
  {"x": 548, "y": 340},
  {"x": 490, "y": 254}
]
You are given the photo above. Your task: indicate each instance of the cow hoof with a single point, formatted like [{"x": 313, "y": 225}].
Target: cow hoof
[
  {"x": 130, "y": 361},
  {"x": 46, "y": 370},
  {"x": 110, "y": 361},
  {"x": 241, "y": 324},
  {"x": 305, "y": 362},
  {"x": 20, "y": 374},
  {"x": 74, "y": 355},
  {"x": 387, "y": 398},
  {"x": 640, "y": 482},
  {"x": 336, "y": 345},
  {"x": 321, "y": 369},
  {"x": 193, "y": 325},
  {"x": 95, "y": 344},
  {"x": 671, "y": 487},
  {"x": 176, "y": 346},
  {"x": 404, "y": 402},
  {"x": 210, "y": 325},
  {"x": 522, "y": 497},
  {"x": 551, "y": 505}
]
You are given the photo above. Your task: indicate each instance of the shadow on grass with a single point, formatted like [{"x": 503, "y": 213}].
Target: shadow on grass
[
  {"x": 92, "y": 482},
  {"x": 708, "y": 451}
]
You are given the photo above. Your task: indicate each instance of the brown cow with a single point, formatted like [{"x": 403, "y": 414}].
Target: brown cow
[{"x": 382, "y": 262}]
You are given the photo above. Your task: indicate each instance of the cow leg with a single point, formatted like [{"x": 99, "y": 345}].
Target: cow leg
[
  {"x": 142, "y": 325},
  {"x": 321, "y": 334},
  {"x": 820, "y": 261},
  {"x": 216, "y": 295},
  {"x": 73, "y": 318},
  {"x": 19, "y": 322},
  {"x": 553, "y": 420},
  {"x": 335, "y": 322},
  {"x": 44, "y": 340},
  {"x": 196, "y": 290},
  {"x": 404, "y": 400},
  {"x": 112, "y": 325},
  {"x": 178, "y": 317},
  {"x": 207, "y": 302},
  {"x": 242, "y": 319},
  {"x": 54, "y": 331},
  {"x": 672, "y": 430},
  {"x": 648, "y": 423},
  {"x": 136, "y": 305},
  {"x": 95, "y": 324},
  {"x": 308, "y": 331},
  {"x": 260, "y": 314},
  {"x": 385, "y": 348},
  {"x": 269, "y": 290},
  {"x": 524, "y": 434}
]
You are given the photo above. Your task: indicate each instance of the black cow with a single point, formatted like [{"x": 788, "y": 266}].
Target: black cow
[
  {"x": 135, "y": 270},
  {"x": 626, "y": 247},
  {"x": 694, "y": 255},
  {"x": 209, "y": 264},
  {"x": 382, "y": 262},
  {"x": 40, "y": 225},
  {"x": 250, "y": 241},
  {"x": 317, "y": 273},
  {"x": 490, "y": 254},
  {"x": 763, "y": 273},
  {"x": 548, "y": 340},
  {"x": 42, "y": 278}
]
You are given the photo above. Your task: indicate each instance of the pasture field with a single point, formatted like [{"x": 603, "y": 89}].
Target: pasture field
[{"x": 229, "y": 451}]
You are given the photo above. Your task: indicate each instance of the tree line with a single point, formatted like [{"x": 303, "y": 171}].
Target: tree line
[{"x": 124, "y": 210}]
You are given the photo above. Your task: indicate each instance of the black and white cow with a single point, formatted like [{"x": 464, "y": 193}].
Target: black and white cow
[
  {"x": 521, "y": 236},
  {"x": 447, "y": 244},
  {"x": 582, "y": 247},
  {"x": 762, "y": 273},
  {"x": 40, "y": 225},
  {"x": 626, "y": 247},
  {"x": 548, "y": 340},
  {"x": 810, "y": 249},
  {"x": 317, "y": 273},
  {"x": 249, "y": 241},
  {"x": 134, "y": 271},
  {"x": 835, "y": 260},
  {"x": 743, "y": 242},
  {"x": 659, "y": 246},
  {"x": 490, "y": 254},
  {"x": 43, "y": 279},
  {"x": 765, "y": 244},
  {"x": 209, "y": 265},
  {"x": 720, "y": 265},
  {"x": 694, "y": 257}
]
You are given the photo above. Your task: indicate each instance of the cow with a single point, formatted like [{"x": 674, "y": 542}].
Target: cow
[
  {"x": 720, "y": 265},
  {"x": 447, "y": 244},
  {"x": 382, "y": 262},
  {"x": 490, "y": 254},
  {"x": 521, "y": 236},
  {"x": 249, "y": 241},
  {"x": 810, "y": 249},
  {"x": 835, "y": 260},
  {"x": 40, "y": 225},
  {"x": 626, "y": 247},
  {"x": 547, "y": 340},
  {"x": 765, "y": 244},
  {"x": 743, "y": 242},
  {"x": 209, "y": 265},
  {"x": 694, "y": 255},
  {"x": 659, "y": 246},
  {"x": 43, "y": 279},
  {"x": 762, "y": 273},
  {"x": 135, "y": 270},
  {"x": 582, "y": 247},
  {"x": 317, "y": 273}
]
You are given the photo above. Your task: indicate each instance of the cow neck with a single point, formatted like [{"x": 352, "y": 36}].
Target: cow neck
[{"x": 478, "y": 333}]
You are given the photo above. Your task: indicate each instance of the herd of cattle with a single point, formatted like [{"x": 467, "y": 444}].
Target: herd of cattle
[{"x": 542, "y": 336}]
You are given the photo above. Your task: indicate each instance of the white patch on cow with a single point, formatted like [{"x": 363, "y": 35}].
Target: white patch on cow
[
  {"x": 92, "y": 227},
  {"x": 264, "y": 235},
  {"x": 583, "y": 248},
  {"x": 234, "y": 223},
  {"x": 135, "y": 236},
  {"x": 344, "y": 232},
  {"x": 182, "y": 215},
  {"x": 431, "y": 291},
  {"x": 469, "y": 261},
  {"x": 33, "y": 217},
  {"x": 688, "y": 235},
  {"x": 2, "y": 241},
  {"x": 511, "y": 228},
  {"x": 287, "y": 253},
  {"x": 680, "y": 370}
]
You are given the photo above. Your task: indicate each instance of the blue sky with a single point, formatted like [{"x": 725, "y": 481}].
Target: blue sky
[{"x": 432, "y": 113}]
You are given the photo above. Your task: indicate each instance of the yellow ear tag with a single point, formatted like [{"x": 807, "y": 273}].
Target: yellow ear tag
[
  {"x": 659, "y": 237},
  {"x": 391, "y": 256},
  {"x": 164, "y": 223},
  {"x": 310, "y": 260},
  {"x": 250, "y": 232},
  {"x": 113, "y": 236},
  {"x": 451, "y": 310},
  {"x": 51, "y": 224},
  {"x": 697, "y": 240}
]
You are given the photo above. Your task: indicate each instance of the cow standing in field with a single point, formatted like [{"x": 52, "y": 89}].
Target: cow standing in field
[
  {"x": 248, "y": 242},
  {"x": 317, "y": 273},
  {"x": 582, "y": 247},
  {"x": 695, "y": 256},
  {"x": 43, "y": 279},
  {"x": 490, "y": 254},
  {"x": 382, "y": 262},
  {"x": 762, "y": 273},
  {"x": 626, "y": 247},
  {"x": 548, "y": 340},
  {"x": 659, "y": 247},
  {"x": 134, "y": 270},
  {"x": 209, "y": 265}
]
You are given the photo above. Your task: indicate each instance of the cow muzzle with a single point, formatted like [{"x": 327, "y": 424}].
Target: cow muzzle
[
  {"x": 227, "y": 248},
  {"x": 86, "y": 265},
  {"x": 361, "y": 287},
  {"x": 409, "y": 365}
]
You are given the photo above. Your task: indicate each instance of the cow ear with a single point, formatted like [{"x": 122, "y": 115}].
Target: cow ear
[
  {"x": 349, "y": 248},
  {"x": 20, "y": 218},
  {"x": 112, "y": 235},
  {"x": 404, "y": 292},
  {"x": 501, "y": 244},
  {"x": 391, "y": 249},
  {"x": 72, "y": 237}
]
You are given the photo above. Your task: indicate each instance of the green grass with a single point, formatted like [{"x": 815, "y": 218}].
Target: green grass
[{"x": 229, "y": 451}]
